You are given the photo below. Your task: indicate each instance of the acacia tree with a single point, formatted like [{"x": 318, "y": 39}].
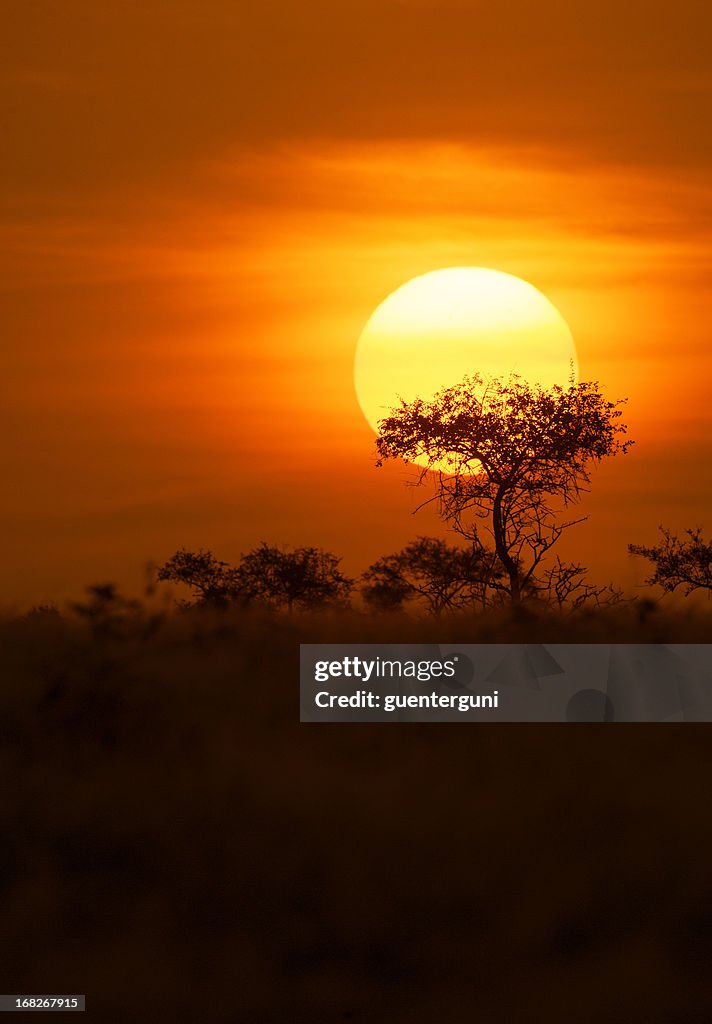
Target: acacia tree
[
  {"x": 212, "y": 582},
  {"x": 507, "y": 456},
  {"x": 678, "y": 562},
  {"x": 442, "y": 576},
  {"x": 307, "y": 577}
]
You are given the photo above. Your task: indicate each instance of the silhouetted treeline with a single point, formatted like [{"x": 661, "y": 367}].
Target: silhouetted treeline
[{"x": 428, "y": 576}]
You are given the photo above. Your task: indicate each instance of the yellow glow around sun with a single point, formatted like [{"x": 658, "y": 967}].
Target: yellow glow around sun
[{"x": 436, "y": 328}]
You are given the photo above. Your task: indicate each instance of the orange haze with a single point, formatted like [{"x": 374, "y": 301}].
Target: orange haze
[{"x": 203, "y": 204}]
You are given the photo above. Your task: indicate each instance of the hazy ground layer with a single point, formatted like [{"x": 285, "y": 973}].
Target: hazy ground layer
[{"x": 169, "y": 827}]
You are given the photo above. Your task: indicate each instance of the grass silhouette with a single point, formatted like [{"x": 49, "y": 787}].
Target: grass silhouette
[{"x": 170, "y": 829}]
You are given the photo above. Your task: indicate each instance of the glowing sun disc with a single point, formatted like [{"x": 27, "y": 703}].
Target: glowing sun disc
[{"x": 436, "y": 328}]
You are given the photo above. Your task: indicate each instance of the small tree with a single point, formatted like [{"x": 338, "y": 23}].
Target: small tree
[
  {"x": 679, "y": 562},
  {"x": 305, "y": 577},
  {"x": 211, "y": 581},
  {"x": 443, "y": 577},
  {"x": 509, "y": 455},
  {"x": 564, "y": 586}
]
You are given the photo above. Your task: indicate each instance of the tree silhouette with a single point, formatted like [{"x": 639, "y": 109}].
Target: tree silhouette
[
  {"x": 564, "y": 587},
  {"x": 442, "y": 576},
  {"x": 507, "y": 455},
  {"x": 678, "y": 563},
  {"x": 212, "y": 582},
  {"x": 308, "y": 577}
]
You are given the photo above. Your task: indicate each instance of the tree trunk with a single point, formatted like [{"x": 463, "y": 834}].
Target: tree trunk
[{"x": 499, "y": 530}]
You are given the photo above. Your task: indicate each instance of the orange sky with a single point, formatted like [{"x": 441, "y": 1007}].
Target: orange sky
[{"x": 202, "y": 205}]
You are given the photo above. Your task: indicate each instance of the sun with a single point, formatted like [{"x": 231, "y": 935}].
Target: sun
[{"x": 436, "y": 328}]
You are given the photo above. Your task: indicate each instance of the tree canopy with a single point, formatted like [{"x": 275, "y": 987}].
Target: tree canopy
[
  {"x": 429, "y": 571},
  {"x": 508, "y": 456},
  {"x": 212, "y": 582},
  {"x": 307, "y": 577},
  {"x": 685, "y": 563}
]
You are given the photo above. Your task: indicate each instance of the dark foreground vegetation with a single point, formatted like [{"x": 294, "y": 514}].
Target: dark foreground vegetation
[{"x": 176, "y": 845}]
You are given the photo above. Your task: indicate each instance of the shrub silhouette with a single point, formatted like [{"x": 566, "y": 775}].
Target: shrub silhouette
[
  {"x": 212, "y": 582},
  {"x": 433, "y": 573},
  {"x": 306, "y": 577},
  {"x": 111, "y": 616}
]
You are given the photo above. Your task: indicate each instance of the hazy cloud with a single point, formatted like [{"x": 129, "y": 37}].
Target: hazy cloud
[{"x": 98, "y": 95}]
